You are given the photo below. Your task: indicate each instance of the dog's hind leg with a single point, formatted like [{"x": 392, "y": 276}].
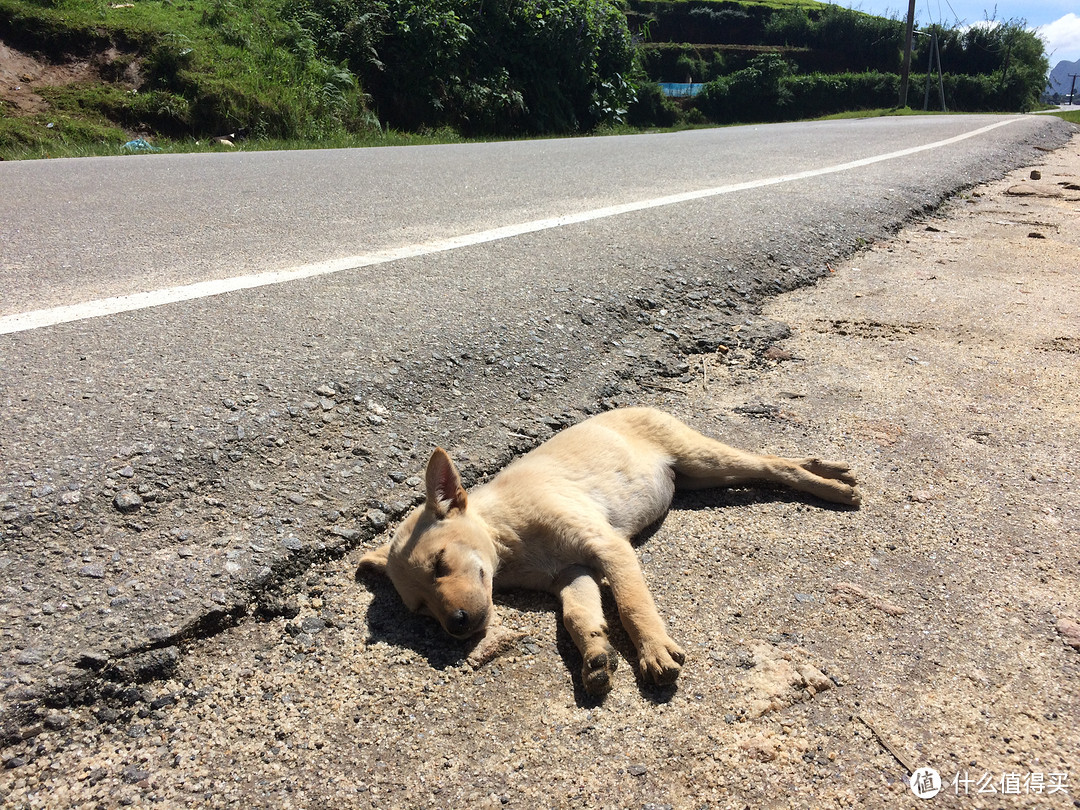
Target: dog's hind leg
[
  {"x": 830, "y": 481},
  {"x": 583, "y": 617},
  {"x": 701, "y": 462}
]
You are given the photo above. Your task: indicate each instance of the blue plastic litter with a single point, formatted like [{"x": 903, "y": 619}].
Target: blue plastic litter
[
  {"x": 140, "y": 145},
  {"x": 681, "y": 89}
]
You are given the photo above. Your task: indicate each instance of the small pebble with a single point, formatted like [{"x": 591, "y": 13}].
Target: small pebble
[{"x": 127, "y": 501}]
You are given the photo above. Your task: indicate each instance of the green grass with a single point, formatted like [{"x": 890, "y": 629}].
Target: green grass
[
  {"x": 26, "y": 141},
  {"x": 33, "y": 137},
  {"x": 1072, "y": 116},
  {"x": 204, "y": 66},
  {"x": 880, "y": 113}
]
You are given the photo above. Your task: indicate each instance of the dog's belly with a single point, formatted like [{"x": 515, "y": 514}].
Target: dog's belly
[
  {"x": 634, "y": 502},
  {"x": 626, "y": 478},
  {"x": 562, "y": 526}
]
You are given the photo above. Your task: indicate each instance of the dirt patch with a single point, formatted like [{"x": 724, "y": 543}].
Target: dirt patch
[{"x": 23, "y": 74}]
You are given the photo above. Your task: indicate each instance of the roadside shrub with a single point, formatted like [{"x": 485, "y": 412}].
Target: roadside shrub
[
  {"x": 158, "y": 111},
  {"x": 165, "y": 65},
  {"x": 1005, "y": 62},
  {"x": 673, "y": 62},
  {"x": 652, "y": 108},
  {"x": 791, "y": 26},
  {"x": 755, "y": 93},
  {"x": 818, "y": 94},
  {"x": 498, "y": 66},
  {"x": 863, "y": 41},
  {"x": 738, "y": 99}
]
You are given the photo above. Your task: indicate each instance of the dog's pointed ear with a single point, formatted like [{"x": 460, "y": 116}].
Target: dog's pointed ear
[
  {"x": 444, "y": 490},
  {"x": 374, "y": 562}
]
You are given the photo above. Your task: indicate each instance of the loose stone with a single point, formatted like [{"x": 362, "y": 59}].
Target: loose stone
[{"x": 127, "y": 501}]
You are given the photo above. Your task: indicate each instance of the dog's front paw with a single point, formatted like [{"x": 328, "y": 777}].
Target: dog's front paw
[
  {"x": 597, "y": 669},
  {"x": 661, "y": 661}
]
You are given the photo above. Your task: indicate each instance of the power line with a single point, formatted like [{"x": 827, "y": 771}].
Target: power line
[{"x": 956, "y": 16}]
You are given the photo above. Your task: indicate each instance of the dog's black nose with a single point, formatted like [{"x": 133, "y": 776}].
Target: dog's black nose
[{"x": 459, "y": 623}]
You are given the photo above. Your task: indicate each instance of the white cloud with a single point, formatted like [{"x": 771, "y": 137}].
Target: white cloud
[{"x": 1062, "y": 38}]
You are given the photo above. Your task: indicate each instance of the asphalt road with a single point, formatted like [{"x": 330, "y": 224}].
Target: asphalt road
[{"x": 167, "y": 470}]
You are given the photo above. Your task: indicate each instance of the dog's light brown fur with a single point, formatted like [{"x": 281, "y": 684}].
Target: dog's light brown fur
[{"x": 560, "y": 519}]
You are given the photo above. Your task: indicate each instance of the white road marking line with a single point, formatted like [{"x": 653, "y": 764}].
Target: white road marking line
[{"x": 39, "y": 318}]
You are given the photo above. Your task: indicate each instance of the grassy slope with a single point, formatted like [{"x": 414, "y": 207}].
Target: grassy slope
[{"x": 200, "y": 66}]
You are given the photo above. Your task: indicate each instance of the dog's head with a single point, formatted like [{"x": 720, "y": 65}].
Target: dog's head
[{"x": 442, "y": 558}]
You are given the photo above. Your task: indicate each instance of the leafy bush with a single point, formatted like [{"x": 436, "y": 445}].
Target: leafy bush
[
  {"x": 738, "y": 99},
  {"x": 819, "y": 94},
  {"x": 755, "y": 93},
  {"x": 1007, "y": 60},
  {"x": 865, "y": 42},
  {"x": 165, "y": 65},
  {"x": 481, "y": 65},
  {"x": 652, "y": 108},
  {"x": 699, "y": 21},
  {"x": 673, "y": 62}
]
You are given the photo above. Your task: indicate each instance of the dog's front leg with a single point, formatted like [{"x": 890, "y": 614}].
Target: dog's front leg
[
  {"x": 583, "y": 617},
  {"x": 660, "y": 658}
]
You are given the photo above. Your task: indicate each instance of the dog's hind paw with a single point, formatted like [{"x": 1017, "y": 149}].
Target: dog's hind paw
[
  {"x": 598, "y": 669},
  {"x": 661, "y": 662},
  {"x": 833, "y": 481},
  {"x": 837, "y": 470}
]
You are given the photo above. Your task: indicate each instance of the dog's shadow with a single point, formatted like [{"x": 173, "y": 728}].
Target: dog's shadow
[{"x": 389, "y": 622}]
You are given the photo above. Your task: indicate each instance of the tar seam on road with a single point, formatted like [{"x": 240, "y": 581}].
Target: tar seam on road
[{"x": 36, "y": 319}]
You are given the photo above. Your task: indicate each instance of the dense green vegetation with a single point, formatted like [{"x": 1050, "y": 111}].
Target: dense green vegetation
[
  {"x": 810, "y": 62},
  {"x": 488, "y": 66},
  {"x": 356, "y": 71},
  {"x": 323, "y": 69},
  {"x": 1003, "y": 67}
]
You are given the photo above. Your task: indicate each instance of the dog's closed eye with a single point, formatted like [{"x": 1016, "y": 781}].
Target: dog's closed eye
[{"x": 439, "y": 568}]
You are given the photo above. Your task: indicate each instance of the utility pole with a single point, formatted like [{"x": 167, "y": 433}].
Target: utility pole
[
  {"x": 935, "y": 51},
  {"x": 905, "y": 72},
  {"x": 1072, "y": 90}
]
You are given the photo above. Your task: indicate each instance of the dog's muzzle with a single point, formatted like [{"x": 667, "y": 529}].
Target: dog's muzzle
[{"x": 462, "y": 624}]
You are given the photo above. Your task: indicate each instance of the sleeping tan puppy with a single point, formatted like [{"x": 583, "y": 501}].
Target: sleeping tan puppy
[{"x": 560, "y": 519}]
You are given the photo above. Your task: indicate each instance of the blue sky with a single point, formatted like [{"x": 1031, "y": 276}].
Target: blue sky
[{"x": 1057, "y": 21}]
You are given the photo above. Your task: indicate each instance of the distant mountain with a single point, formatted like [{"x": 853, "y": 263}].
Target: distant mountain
[{"x": 1059, "y": 77}]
